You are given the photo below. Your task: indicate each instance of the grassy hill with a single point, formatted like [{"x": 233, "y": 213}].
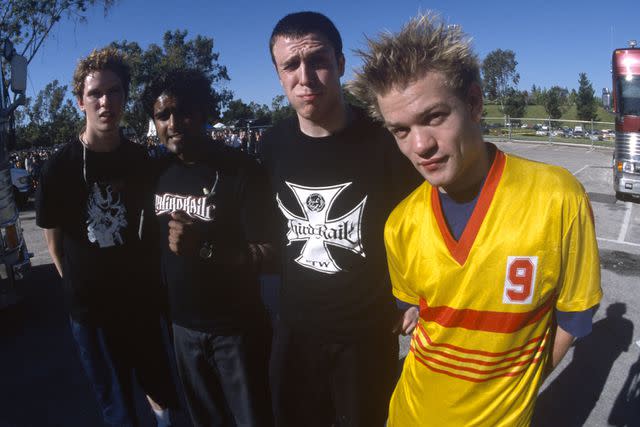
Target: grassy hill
[{"x": 537, "y": 111}]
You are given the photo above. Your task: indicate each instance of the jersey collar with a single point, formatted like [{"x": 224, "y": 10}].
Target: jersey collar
[{"x": 460, "y": 249}]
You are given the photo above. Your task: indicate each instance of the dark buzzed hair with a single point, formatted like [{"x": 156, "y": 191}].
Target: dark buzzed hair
[
  {"x": 190, "y": 87},
  {"x": 300, "y": 24}
]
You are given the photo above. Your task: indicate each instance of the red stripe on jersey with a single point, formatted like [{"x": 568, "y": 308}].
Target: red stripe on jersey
[
  {"x": 478, "y": 352},
  {"x": 470, "y": 369},
  {"x": 488, "y": 321},
  {"x": 472, "y": 379},
  {"x": 424, "y": 349},
  {"x": 460, "y": 249}
]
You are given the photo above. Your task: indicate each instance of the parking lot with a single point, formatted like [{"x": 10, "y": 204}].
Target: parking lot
[
  {"x": 43, "y": 385},
  {"x": 585, "y": 387}
]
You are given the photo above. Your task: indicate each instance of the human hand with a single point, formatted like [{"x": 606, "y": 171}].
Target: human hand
[
  {"x": 184, "y": 236},
  {"x": 407, "y": 322}
]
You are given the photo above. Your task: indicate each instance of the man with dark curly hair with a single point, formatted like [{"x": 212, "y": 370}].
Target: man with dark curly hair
[
  {"x": 89, "y": 202},
  {"x": 212, "y": 209}
]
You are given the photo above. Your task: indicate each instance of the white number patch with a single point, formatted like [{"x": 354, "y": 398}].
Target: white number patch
[{"x": 520, "y": 279}]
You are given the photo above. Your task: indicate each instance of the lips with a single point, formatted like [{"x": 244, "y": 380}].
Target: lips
[
  {"x": 308, "y": 97},
  {"x": 176, "y": 137},
  {"x": 433, "y": 163}
]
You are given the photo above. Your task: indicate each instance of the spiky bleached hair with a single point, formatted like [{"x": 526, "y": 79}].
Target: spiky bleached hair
[{"x": 423, "y": 45}]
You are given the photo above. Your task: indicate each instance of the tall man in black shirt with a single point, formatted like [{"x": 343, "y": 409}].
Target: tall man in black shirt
[
  {"x": 211, "y": 204},
  {"x": 89, "y": 202},
  {"x": 336, "y": 176}
]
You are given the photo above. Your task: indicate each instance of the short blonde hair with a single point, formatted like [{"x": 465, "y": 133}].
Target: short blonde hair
[
  {"x": 424, "y": 44},
  {"x": 108, "y": 58}
]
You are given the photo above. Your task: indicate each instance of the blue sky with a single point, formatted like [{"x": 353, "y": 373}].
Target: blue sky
[{"x": 553, "y": 42}]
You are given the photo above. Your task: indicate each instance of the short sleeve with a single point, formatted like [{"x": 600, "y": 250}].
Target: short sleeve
[
  {"x": 580, "y": 285},
  {"x": 398, "y": 270},
  {"x": 47, "y": 200},
  {"x": 259, "y": 208}
]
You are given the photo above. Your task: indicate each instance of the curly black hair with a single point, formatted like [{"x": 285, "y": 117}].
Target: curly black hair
[{"x": 190, "y": 87}]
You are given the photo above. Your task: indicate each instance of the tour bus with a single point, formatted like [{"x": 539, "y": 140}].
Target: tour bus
[{"x": 625, "y": 69}]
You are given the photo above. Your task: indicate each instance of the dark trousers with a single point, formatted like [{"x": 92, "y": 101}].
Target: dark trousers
[
  {"x": 319, "y": 382},
  {"x": 225, "y": 377},
  {"x": 112, "y": 353}
]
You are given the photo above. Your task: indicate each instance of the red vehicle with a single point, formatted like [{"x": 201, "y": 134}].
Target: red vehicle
[{"x": 625, "y": 68}]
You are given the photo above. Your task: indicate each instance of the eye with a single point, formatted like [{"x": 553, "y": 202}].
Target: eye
[
  {"x": 161, "y": 116},
  {"x": 399, "y": 132},
  {"x": 291, "y": 65},
  {"x": 319, "y": 62},
  {"x": 94, "y": 94},
  {"x": 436, "y": 118}
]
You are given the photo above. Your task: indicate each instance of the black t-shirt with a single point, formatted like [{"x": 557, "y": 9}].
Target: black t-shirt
[
  {"x": 213, "y": 295},
  {"x": 97, "y": 200},
  {"x": 334, "y": 195}
]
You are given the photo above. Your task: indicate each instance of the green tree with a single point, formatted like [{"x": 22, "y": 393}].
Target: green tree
[
  {"x": 261, "y": 114},
  {"x": 281, "y": 109},
  {"x": 176, "y": 52},
  {"x": 555, "y": 101},
  {"x": 499, "y": 74},
  {"x": 27, "y": 23},
  {"x": 49, "y": 119},
  {"x": 236, "y": 112},
  {"x": 515, "y": 103},
  {"x": 586, "y": 104}
]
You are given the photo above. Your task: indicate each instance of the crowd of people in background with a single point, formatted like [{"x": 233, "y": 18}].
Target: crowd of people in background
[
  {"x": 32, "y": 159},
  {"x": 247, "y": 141}
]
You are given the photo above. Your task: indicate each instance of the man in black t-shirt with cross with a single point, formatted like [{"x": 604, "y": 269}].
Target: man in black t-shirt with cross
[{"x": 336, "y": 176}]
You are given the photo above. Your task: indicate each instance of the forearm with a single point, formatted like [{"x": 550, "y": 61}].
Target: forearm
[
  {"x": 561, "y": 344},
  {"x": 53, "y": 236}
]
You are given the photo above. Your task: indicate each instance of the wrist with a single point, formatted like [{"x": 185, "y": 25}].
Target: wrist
[{"x": 206, "y": 250}]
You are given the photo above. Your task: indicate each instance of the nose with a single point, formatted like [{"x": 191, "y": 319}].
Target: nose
[
  {"x": 172, "y": 121},
  {"x": 105, "y": 100},
  {"x": 307, "y": 73},
  {"x": 424, "y": 143}
]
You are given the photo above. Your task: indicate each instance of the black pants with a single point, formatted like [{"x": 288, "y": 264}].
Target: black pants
[
  {"x": 316, "y": 382},
  {"x": 225, "y": 378}
]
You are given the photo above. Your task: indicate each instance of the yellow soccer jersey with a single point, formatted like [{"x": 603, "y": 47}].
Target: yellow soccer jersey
[{"x": 486, "y": 301}]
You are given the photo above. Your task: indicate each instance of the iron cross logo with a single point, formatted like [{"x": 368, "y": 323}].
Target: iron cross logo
[{"x": 318, "y": 230}]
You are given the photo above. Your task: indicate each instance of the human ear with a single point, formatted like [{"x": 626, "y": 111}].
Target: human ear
[{"x": 475, "y": 102}]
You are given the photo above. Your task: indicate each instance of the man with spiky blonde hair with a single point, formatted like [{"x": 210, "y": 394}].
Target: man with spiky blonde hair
[{"x": 499, "y": 252}]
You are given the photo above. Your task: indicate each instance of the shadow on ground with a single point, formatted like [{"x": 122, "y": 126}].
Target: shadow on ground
[
  {"x": 626, "y": 409},
  {"x": 569, "y": 400},
  {"x": 42, "y": 379}
]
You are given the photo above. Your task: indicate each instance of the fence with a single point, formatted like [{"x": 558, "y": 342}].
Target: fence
[{"x": 552, "y": 131}]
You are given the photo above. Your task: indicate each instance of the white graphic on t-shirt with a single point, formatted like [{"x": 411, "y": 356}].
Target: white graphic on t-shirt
[
  {"x": 318, "y": 230},
  {"x": 106, "y": 216},
  {"x": 195, "y": 207}
]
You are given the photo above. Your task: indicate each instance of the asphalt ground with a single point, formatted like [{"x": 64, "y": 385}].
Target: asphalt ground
[{"x": 41, "y": 383}]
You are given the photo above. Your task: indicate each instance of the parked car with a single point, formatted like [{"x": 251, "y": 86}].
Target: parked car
[{"x": 578, "y": 132}]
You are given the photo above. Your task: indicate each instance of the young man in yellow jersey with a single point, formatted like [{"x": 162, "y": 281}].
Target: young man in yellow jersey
[{"x": 499, "y": 252}]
